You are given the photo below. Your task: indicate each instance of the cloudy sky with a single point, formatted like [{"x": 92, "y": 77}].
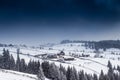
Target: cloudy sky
[{"x": 34, "y": 22}]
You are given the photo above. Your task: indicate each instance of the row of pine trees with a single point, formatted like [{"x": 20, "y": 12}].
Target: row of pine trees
[{"x": 51, "y": 71}]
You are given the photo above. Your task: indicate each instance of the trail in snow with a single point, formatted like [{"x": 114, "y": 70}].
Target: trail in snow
[
  {"x": 93, "y": 61},
  {"x": 19, "y": 74}
]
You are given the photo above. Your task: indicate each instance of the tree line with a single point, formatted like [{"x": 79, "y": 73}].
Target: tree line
[
  {"x": 103, "y": 44},
  {"x": 7, "y": 61},
  {"x": 53, "y": 72}
]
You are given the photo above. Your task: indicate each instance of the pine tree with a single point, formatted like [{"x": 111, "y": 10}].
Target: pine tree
[
  {"x": 62, "y": 69},
  {"x": 22, "y": 65},
  {"x": 82, "y": 75},
  {"x": 29, "y": 68},
  {"x": 106, "y": 77},
  {"x": 95, "y": 77},
  {"x": 89, "y": 77},
  {"x": 18, "y": 61},
  {"x": 54, "y": 72},
  {"x": 118, "y": 68},
  {"x": 40, "y": 74},
  {"x": 75, "y": 74},
  {"x": 1, "y": 61},
  {"x": 70, "y": 74},
  {"x": 12, "y": 63},
  {"x": 6, "y": 59},
  {"x": 46, "y": 69},
  {"x": 101, "y": 77},
  {"x": 36, "y": 67},
  {"x": 110, "y": 67},
  {"x": 33, "y": 67},
  {"x": 62, "y": 76},
  {"x": 110, "y": 71}
]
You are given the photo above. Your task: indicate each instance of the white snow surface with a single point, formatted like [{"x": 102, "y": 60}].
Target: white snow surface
[
  {"x": 13, "y": 75},
  {"x": 88, "y": 64}
]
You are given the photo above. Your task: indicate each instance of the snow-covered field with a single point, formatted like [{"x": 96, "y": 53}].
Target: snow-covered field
[
  {"x": 14, "y": 75},
  {"x": 88, "y": 64}
]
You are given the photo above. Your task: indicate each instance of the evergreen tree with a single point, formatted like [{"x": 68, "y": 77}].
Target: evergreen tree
[
  {"x": 75, "y": 74},
  {"x": 110, "y": 71},
  {"x": 62, "y": 76},
  {"x": 118, "y": 68},
  {"x": 110, "y": 67},
  {"x": 12, "y": 63},
  {"x": 6, "y": 59},
  {"x": 62, "y": 69},
  {"x": 54, "y": 72},
  {"x": 22, "y": 65},
  {"x": 95, "y": 77},
  {"x": 70, "y": 74},
  {"x": 40, "y": 74},
  {"x": 18, "y": 61},
  {"x": 33, "y": 67},
  {"x": 82, "y": 76},
  {"x": 1, "y": 61},
  {"x": 101, "y": 77},
  {"x": 46, "y": 69},
  {"x": 89, "y": 77},
  {"x": 36, "y": 65},
  {"x": 29, "y": 68}
]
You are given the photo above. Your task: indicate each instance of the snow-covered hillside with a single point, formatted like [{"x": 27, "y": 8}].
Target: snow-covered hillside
[
  {"x": 90, "y": 64},
  {"x": 14, "y": 75}
]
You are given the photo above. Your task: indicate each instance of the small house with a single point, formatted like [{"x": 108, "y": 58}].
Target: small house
[
  {"x": 61, "y": 53},
  {"x": 68, "y": 58}
]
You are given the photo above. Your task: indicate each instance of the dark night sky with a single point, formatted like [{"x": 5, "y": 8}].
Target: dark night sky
[{"x": 41, "y": 21}]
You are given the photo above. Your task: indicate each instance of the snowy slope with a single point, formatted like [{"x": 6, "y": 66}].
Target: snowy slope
[
  {"x": 73, "y": 48},
  {"x": 13, "y": 75},
  {"x": 88, "y": 64}
]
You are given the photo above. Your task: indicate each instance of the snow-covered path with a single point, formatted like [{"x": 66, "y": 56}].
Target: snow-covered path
[{"x": 14, "y": 75}]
